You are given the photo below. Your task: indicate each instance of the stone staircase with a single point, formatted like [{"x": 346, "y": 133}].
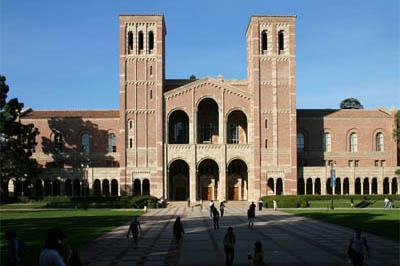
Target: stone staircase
[{"x": 236, "y": 203}]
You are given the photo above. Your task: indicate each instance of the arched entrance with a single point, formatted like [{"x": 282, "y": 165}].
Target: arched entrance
[
  {"x": 386, "y": 186},
  {"x": 366, "y": 186},
  {"x": 279, "y": 186},
  {"x": 68, "y": 187},
  {"x": 317, "y": 186},
  {"x": 338, "y": 186},
  {"x": 237, "y": 180},
  {"x": 309, "y": 186},
  {"x": 270, "y": 186},
  {"x": 97, "y": 188},
  {"x": 357, "y": 187},
  {"x": 137, "y": 188},
  {"x": 346, "y": 186},
  {"x": 208, "y": 180},
  {"x": 114, "y": 188},
  {"x": 394, "y": 185},
  {"x": 178, "y": 128},
  {"x": 179, "y": 180},
  {"x": 146, "y": 187},
  {"x": 374, "y": 186},
  {"x": 207, "y": 121},
  {"x": 300, "y": 186},
  {"x": 56, "y": 187},
  {"x": 106, "y": 187}
]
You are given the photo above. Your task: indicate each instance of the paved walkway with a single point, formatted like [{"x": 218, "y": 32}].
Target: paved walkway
[{"x": 287, "y": 240}]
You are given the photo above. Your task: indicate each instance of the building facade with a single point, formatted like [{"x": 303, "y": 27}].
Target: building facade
[{"x": 212, "y": 138}]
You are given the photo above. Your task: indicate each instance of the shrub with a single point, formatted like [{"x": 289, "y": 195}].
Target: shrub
[{"x": 285, "y": 201}]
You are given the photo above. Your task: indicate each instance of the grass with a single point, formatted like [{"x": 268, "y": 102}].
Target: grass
[
  {"x": 80, "y": 227},
  {"x": 346, "y": 203},
  {"x": 384, "y": 223},
  {"x": 33, "y": 205}
]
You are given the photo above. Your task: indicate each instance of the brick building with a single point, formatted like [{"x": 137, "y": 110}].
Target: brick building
[{"x": 222, "y": 139}]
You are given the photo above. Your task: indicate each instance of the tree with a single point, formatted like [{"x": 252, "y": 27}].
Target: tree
[
  {"x": 351, "y": 103},
  {"x": 17, "y": 141}
]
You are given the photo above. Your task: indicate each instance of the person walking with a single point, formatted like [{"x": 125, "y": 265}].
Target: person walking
[
  {"x": 134, "y": 228},
  {"x": 355, "y": 250},
  {"x": 386, "y": 202},
  {"x": 252, "y": 206},
  {"x": 258, "y": 257},
  {"x": 201, "y": 204},
  {"x": 251, "y": 213},
  {"x": 211, "y": 207},
  {"x": 275, "y": 205},
  {"x": 216, "y": 218},
  {"x": 188, "y": 202},
  {"x": 390, "y": 203},
  {"x": 222, "y": 208},
  {"x": 50, "y": 256},
  {"x": 178, "y": 229},
  {"x": 229, "y": 246},
  {"x": 16, "y": 248},
  {"x": 260, "y": 205}
]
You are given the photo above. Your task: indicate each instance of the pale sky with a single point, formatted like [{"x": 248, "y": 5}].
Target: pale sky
[{"x": 61, "y": 55}]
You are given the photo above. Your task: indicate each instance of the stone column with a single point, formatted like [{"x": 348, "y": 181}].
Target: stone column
[
  {"x": 192, "y": 180},
  {"x": 222, "y": 181},
  {"x": 313, "y": 186},
  {"x": 370, "y": 186}
]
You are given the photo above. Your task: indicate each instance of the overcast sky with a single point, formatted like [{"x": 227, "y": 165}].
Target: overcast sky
[{"x": 64, "y": 54}]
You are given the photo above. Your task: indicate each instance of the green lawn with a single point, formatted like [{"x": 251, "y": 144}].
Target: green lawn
[
  {"x": 346, "y": 203},
  {"x": 33, "y": 205},
  {"x": 380, "y": 222},
  {"x": 80, "y": 227}
]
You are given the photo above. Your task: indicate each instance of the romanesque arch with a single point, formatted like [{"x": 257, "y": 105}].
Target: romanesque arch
[
  {"x": 137, "y": 188},
  {"x": 309, "y": 186},
  {"x": 237, "y": 180},
  {"x": 178, "y": 127},
  {"x": 208, "y": 180},
  {"x": 207, "y": 121},
  {"x": 300, "y": 186},
  {"x": 97, "y": 187},
  {"x": 179, "y": 180},
  {"x": 317, "y": 186},
  {"x": 236, "y": 127},
  {"x": 114, "y": 188},
  {"x": 146, "y": 187}
]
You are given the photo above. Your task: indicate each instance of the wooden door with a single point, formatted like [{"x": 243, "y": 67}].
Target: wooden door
[
  {"x": 235, "y": 193},
  {"x": 209, "y": 193}
]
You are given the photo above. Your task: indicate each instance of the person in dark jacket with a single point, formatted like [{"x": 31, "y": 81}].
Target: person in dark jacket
[{"x": 178, "y": 229}]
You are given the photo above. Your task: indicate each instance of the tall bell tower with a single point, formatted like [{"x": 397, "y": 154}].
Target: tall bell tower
[
  {"x": 271, "y": 68},
  {"x": 142, "y": 73}
]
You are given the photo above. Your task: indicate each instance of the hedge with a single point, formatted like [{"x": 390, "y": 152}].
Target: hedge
[
  {"x": 348, "y": 197},
  {"x": 285, "y": 201}
]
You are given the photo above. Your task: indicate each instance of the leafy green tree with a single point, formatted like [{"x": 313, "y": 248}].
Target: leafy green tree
[
  {"x": 351, "y": 103},
  {"x": 17, "y": 141}
]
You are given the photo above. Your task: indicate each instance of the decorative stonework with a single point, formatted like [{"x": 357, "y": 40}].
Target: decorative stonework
[{"x": 140, "y": 111}]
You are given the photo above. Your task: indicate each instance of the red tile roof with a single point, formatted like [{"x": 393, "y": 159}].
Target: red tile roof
[{"x": 71, "y": 113}]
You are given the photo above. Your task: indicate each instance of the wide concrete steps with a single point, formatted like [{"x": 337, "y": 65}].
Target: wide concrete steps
[{"x": 232, "y": 203}]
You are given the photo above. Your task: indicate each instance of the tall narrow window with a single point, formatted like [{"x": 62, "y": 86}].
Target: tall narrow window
[
  {"x": 151, "y": 94},
  {"x": 266, "y": 143},
  {"x": 58, "y": 142},
  {"x": 300, "y": 142},
  {"x": 151, "y": 70},
  {"x": 327, "y": 142},
  {"x": 85, "y": 143},
  {"x": 130, "y": 124},
  {"x": 379, "y": 142},
  {"x": 264, "y": 41},
  {"x": 130, "y": 42},
  {"x": 233, "y": 134},
  {"x": 207, "y": 130},
  {"x": 151, "y": 40},
  {"x": 112, "y": 143},
  {"x": 353, "y": 142},
  {"x": 266, "y": 123},
  {"x": 140, "y": 40},
  {"x": 130, "y": 143},
  {"x": 281, "y": 43}
]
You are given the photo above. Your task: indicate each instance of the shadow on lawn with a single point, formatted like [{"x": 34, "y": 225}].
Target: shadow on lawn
[{"x": 380, "y": 224}]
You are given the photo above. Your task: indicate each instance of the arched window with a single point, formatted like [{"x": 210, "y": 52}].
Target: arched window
[
  {"x": 327, "y": 142},
  {"x": 280, "y": 40},
  {"x": 379, "y": 142},
  {"x": 300, "y": 142},
  {"x": 130, "y": 42},
  {"x": 151, "y": 40},
  {"x": 353, "y": 142},
  {"x": 140, "y": 40},
  {"x": 264, "y": 40},
  {"x": 85, "y": 143},
  {"x": 58, "y": 142},
  {"x": 112, "y": 143}
]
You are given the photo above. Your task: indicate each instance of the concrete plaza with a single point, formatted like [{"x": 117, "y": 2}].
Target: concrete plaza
[{"x": 286, "y": 239}]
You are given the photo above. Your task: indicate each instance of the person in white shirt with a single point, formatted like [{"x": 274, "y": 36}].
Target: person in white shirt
[{"x": 50, "y": 255}]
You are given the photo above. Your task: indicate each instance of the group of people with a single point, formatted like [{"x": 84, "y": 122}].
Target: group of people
[
  {"x": 215, "y": 214},
  {"x": 388, "y": 203}
]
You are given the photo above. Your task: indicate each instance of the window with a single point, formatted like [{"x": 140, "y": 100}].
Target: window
[
  {"x": 112, "y": 143},
  {"x": 376, "y": 163},
  {"x": 379, "y": 142},
  {"x": 179, "y": 134},
  {"x": 327, "y": 142},
  {"x": 266, "y": 123},
  {"x": 130, "y": 123},
  {"x": 151, "y": 70},
  {"x": 351, "y": 163},
  {"x": 130, "y": 143},
  {"x": 151, "y": 94},
  {"x": 58, "y": 142},
  {"x": 85, "y": 143},
  {"x": 266, "y": 143},
  {"x": 207, "y": 129},
  {"x": 353, "y": 142},
  {"x": 130, "y": 42},
  {"x": 140, "y": 40},
  {"x": 151, "y": 40},
  {"x": 357, "y": 163},
  {"x": 233, "y": 134},
  {"x": 300, "y": 142},
  {"x": 383, "y": 163},
  {"x": 264, "y": 40},
  {"x": 280, "y": 40}
]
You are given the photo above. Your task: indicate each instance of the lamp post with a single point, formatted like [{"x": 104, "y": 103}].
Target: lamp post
[{"x": 333, "y": 181}]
